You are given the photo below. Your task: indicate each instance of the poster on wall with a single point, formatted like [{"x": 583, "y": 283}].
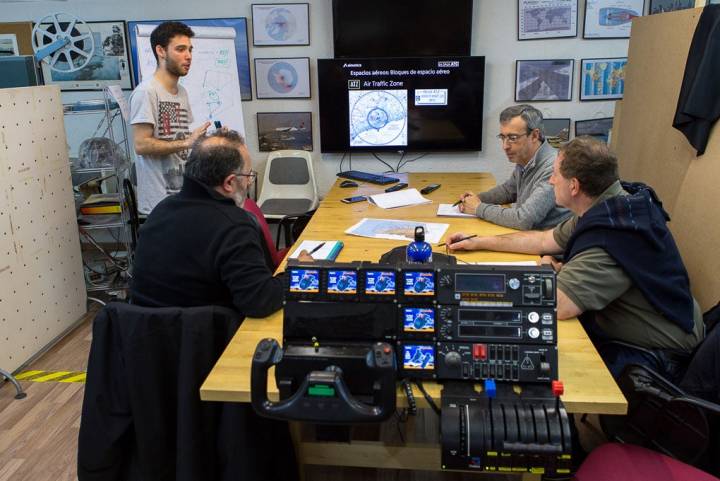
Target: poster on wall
[
  {"x": 610, "y": 18},
  {"x": 662, "y": 6},
  {"x": 544, "y": 80},
  {"x": 19, "y": 33},
  {"x": 597, "y": 128},
  {"x": 284, "y": 130},
  {"x": 281, "y": 24},
  {"x": 602, "y": 78},
  {"x": 547, "y": 19},
  {"x": 556, "y": 131},
  {"x": 277, "y": 78},
  {"x": 242, "y": 58},
  {"x": 109, "y": 64}
]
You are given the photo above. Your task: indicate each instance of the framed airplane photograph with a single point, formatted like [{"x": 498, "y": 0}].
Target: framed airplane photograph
[{"x": 284, "y": 130}]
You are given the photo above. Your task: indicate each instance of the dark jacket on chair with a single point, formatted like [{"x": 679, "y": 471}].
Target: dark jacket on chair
[{"x": 142, "y": 417}]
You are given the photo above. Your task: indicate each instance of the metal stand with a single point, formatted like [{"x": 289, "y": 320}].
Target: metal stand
[{"x": 20, "y": 393}]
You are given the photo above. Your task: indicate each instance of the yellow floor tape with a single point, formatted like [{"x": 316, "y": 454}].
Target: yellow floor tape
[{"x": 51, "y": 376}]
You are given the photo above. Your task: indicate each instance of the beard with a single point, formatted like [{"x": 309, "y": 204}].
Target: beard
[
  {"x": 239, "y": 197},
  {"x": 175, "y": 68}
]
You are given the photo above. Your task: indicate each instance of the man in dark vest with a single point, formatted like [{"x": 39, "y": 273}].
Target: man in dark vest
[{"x": 622, "y": 273}]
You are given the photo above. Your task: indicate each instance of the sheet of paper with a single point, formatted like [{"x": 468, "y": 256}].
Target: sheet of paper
[
  {"x": 447, "y": 210},
  {"x": 323, "y": 253},
  {"x": 397, "y": 229},
  {"x": 401, "y": 198}
]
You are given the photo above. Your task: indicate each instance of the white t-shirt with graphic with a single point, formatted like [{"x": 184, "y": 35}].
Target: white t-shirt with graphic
[{"x": 170, "y": 115}]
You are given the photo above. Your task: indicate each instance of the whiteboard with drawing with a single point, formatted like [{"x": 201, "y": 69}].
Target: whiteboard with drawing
[{"x": 212, "y": 82}]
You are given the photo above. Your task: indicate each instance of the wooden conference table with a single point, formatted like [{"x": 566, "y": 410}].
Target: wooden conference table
[{"x": 589, "y": 387}]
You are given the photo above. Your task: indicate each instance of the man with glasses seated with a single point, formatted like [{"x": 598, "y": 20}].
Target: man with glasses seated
[
  {"x": 199, "y": 247},
  {"x": 527, "y": 189}
]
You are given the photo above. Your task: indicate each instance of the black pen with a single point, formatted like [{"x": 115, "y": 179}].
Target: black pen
[
  {"x": 317, "y": 248},
  {"x": 459, "y": 240},
  {"x": 460, "y": 201}
]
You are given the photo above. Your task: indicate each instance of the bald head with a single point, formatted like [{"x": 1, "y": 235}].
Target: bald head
[{"x": 216, "y": 156}]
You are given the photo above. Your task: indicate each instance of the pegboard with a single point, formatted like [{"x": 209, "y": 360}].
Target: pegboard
[{"x": 42, "y": 289}]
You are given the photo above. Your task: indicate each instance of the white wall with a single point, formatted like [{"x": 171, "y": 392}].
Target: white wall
[{"x": 494, "y": 36}]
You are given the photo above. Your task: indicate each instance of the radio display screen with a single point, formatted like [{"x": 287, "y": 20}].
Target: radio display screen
[
  {"x": 482, "y": 283},
  {"x": 419, "y": 283},
  {"x": 418, "y": 357},
  {"x": 305, "y": 280},
  {"x": 380, "y": 283},
  {"x": 504, "y": 332},
  {"x": 488, "y": 315},
  {"x": 342, "y": 282},
  {"x": 418, "y": 319}
]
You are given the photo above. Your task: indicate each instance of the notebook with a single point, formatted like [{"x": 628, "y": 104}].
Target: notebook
[
  {"x": 401, "y": 198},
  {"x": 328, "y": 252},
  {"x": 447, "y": 210}
]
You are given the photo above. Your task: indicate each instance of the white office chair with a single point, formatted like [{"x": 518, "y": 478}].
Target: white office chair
[{"x": 288, "y": 186}]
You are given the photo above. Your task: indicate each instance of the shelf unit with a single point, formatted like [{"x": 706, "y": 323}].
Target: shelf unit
[{"x": 106, "y": 238}]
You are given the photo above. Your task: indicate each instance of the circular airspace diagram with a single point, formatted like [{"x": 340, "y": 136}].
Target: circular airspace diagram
[
  {"x": 282, "y": 77},
  {"x": 280, "y": 24},
  {"x": 378, "y": 117}
]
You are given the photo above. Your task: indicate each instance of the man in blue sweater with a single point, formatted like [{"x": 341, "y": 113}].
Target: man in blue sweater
[
  {"x": 622, "y": 272},
  {"x": 527, "y": 189}
]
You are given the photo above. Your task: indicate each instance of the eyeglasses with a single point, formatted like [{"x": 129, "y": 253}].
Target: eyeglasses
[
  {"x": 252, "y": 175},
  {"x": 510, "y": 138}
]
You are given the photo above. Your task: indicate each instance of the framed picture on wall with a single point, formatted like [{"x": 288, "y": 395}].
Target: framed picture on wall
[
  {"x": 602, "y": 78},
  {"x": 543, "y": 80},
  {"x": 278, "y": 78},
  {"x": 16, "y": 37},
  {"x": 108, "y": 65},
  {"x": 556, "y": 131},
  {"x": 547, "y": 19},
  {"x": 281, "y": 24},
  {"x": 662, "y": 6},
  {"x": 598, "y": 128},
  {"x": 610, "y": 18},
  {"x": 242, "y": 58},
  {"x": 284, "y": 130}
]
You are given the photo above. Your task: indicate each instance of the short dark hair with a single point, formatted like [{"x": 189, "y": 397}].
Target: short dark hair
[
  {"x": 591, "y": 162},
  {"x": 211, "y": 161},
  {"x": 163, "y": 33},
  {"x": 533, "y": 117}
]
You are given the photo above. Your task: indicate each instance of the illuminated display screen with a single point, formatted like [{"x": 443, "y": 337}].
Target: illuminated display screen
[
  {"x": 505, "y": 332},
  {"x": 342, "y": 282},
  {"x": 419, "y": 357},
  {"x": 380, "y": 282},
  {"x": 305, "y": 280},
  {"x": 489, "y": 283},
  {"x": 418, "y": 319},
  {"x": 419, "y": 283}
]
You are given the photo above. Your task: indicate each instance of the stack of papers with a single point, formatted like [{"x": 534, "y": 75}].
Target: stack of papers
[
  {"x": 401, "y": 198},
  {"x": 447, "y": 210}
]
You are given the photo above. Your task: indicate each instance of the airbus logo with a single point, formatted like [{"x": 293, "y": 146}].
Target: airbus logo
[
  {"x": 352, "y": 65},
  {"x": 449, "y": 63}
]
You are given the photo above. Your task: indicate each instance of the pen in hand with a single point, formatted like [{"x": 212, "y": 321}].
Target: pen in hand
[
  {"x": 316, "y": 248},
  {"x": 459, "y": 240},
  {"x": 460, "y": 201}
]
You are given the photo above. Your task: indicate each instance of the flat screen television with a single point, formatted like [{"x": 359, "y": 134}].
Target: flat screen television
[
  {"x": 401, "y": 104},
  {"x": 401, "y": 28}
]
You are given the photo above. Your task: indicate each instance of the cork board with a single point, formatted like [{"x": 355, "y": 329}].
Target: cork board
[
  {"x": 42, "y": 290},
  {"x": 650, "y": 150}
]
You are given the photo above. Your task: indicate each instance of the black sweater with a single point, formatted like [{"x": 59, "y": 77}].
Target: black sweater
[
  {"x": 632, "y": 230},
  {"x": 198, "y": 248}
]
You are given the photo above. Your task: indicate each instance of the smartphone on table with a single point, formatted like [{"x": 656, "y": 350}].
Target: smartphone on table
[
  {"x": 352, "y": 200},
  {"x": 429, "y": 188}
]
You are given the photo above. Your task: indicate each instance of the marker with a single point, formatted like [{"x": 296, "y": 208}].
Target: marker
[
  {"x": 317, "y": 248},
  {"x": 459, "y": 240}
]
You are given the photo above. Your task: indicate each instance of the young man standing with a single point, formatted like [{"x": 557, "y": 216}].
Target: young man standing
[{"x": 160, "y": 116}]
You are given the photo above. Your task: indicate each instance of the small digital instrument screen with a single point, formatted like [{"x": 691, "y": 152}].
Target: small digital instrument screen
[
  {"x": 418, "y": 319},
  {"x": 342, "y": 282},
  {"x": 484, "y": 283},
  {"x": 380, "y": 283},
  {"x": 418, "y": 357},
  {"x": 419, "y": 283},
  {"x": 482, "y": 331},
  {"x": 305, "y": 280},
  {"x": 488, "y": 315}
]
